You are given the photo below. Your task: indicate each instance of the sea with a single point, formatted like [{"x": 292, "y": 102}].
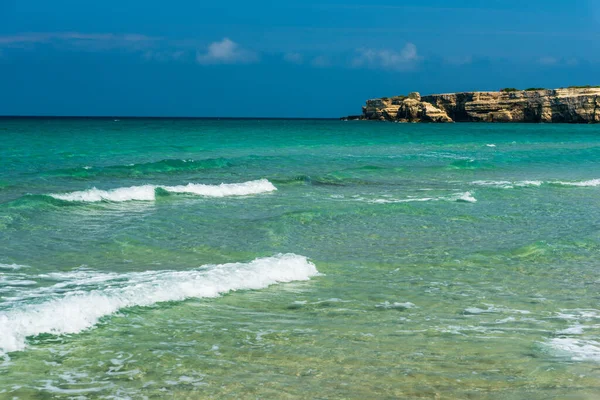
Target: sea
[{"x": 298, "y": 259}]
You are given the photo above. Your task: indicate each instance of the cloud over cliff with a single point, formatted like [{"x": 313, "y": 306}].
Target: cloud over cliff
[{"x": 406, "y": 58}]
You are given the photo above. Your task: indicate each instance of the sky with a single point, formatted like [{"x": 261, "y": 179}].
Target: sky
[{"x": 291, "y": 58}]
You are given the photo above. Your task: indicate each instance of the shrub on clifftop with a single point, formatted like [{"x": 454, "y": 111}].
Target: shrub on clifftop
[{"x": 583, "y": 87}]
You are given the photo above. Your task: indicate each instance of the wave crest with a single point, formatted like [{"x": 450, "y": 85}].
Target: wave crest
[
  {"x": 12, "y": 266},
  {"x": 508, "y": 184},
  {"x": 76, "y": 310},
  {"x": 466, "y": 197},
  {"x": 148, "y": 192},
  {"x": 536, "y": 183},
  {"x": 576, "y": 349},
  {"x": 589, "y": 183}
]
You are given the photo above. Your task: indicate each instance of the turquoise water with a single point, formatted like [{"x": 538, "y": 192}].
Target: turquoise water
[{"x": 298, "y": 259}]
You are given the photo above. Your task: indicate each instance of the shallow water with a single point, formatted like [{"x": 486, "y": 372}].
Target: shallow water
[{"x": 338, "y": 260}]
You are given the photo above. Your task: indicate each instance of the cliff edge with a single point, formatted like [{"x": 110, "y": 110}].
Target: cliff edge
[{"x": 570, "y": 105}]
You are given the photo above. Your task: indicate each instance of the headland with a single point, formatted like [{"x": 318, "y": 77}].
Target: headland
[{"x": 576, "y": 104}]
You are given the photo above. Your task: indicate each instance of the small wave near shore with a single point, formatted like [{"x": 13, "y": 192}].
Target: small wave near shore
[
  {"x": 72, "y": 307},
  {"x": 463, "y": 197},
  {"x": 148, "y": 192},
  {"x": 536, "y": 183}
]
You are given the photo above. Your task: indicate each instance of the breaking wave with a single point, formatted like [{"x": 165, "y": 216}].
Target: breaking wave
[
  {"x": 572, "y": 342},
  {"x": 466, "y": 197},
  {"x": 508, "y": 184},
  {"x": 12, "y": 266},
  {"x": 588, "y": 183},
  {"x": 536, "y": 183},
  {"x": 148, "y": 192},
  {"x": 71, "y": 307},
  {"x": 576, "y": 349}
]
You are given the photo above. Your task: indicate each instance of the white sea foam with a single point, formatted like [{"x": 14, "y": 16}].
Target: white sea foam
[
  {"x": 572, "y": 330},
  {"x": 589, "y": 183},
  {"x": 74, "y": 310},
  {"x": 579, "y": 314},
  {"x": 12, "y": 266},
  {"x": 576, "y": 349},
  {"x": 536, "y": 183},
  {"x": 493, "y": 309},
  {"x": 434, "y": 154},
  {"x": 144, "y": 193},
  {"x": 477, "y": 310},
  {"x": 386, "y": 305},
  {"x": 224, "y": 189},
  {"x": 409, "y": 200},
  {"x": 15, "y": 281},
  {"x": 502, "y": 184},
  {"x": 580, "y": 347},
  {"x": 508, "y": 184},
  {"x": 148, "y": 192},
  {"x": 465, "y": 197}
]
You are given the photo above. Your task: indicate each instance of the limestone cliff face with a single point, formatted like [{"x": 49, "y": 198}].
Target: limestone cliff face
[
  {"x": 404, "y": 109},
  {"x": 573, "y": 105}
]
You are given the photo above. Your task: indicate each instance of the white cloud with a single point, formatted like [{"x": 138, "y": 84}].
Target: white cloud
[
  {"x": 294, "y": 58},
  {"x": 406, "y": 58},
  {"x": 320, "y": 62},
  {"x": 226, "y": 52}
]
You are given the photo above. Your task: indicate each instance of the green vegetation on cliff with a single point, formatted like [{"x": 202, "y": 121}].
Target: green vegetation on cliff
[{"x": 583, "y": 87}]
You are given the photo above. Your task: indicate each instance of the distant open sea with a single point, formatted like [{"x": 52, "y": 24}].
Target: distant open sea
[{"x": 298, "y": 259}]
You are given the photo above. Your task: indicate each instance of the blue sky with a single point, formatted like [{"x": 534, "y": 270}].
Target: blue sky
[{"x": 281, "y": 59}]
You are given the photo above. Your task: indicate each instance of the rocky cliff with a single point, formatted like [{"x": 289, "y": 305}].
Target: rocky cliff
[{"x": 571, "y": 105}]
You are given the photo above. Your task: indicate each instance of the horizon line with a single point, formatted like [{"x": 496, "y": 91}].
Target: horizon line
[{"x": 157, "y": 117}]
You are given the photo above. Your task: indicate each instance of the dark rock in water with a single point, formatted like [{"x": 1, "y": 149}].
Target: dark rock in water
[{"x": 352, "y": 118}]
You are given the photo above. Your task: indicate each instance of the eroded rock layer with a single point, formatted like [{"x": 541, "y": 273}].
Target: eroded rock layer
[{"x": 572, "y": 105}]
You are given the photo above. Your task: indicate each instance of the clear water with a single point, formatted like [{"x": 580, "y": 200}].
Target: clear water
[{"x": 454, "y": 261}]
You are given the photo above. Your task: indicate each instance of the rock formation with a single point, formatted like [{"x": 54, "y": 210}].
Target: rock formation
[
  {"x": 571, "y": 105},
  {"x": 404, "y": 109}
]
